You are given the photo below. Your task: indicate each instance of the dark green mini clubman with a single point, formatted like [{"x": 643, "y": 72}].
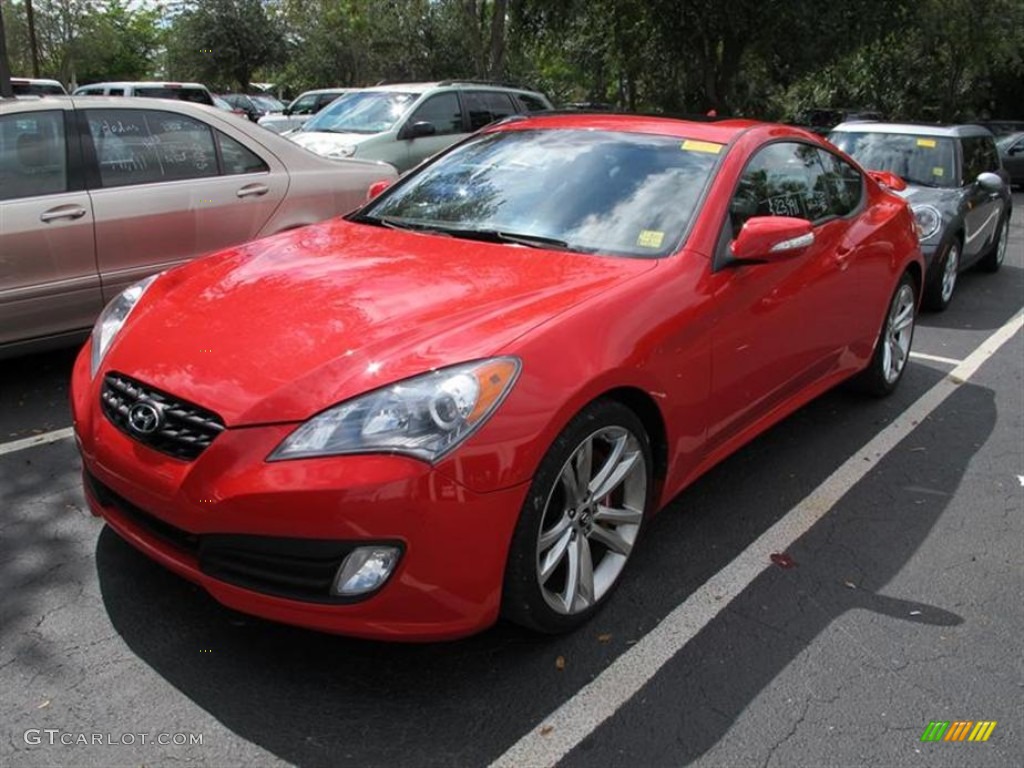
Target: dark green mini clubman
[{"x": 956, "y": 186}]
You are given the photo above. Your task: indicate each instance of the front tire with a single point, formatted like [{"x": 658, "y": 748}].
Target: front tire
[
  {"x": 581, "y": 520},
  {"x": 892, "y": 351},
  {"x": 941, "y": 281}
]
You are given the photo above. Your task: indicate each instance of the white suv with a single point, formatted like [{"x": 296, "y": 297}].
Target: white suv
[
  {"x": 404, "y": 124},
  {"x": 194, "y": 92}
]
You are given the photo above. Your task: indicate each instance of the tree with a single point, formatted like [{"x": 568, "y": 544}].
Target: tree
[
  {"x": 222, "y": 41},
  {"x": 6, "y": 91}
]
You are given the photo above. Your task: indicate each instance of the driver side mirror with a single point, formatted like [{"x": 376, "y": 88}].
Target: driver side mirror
[
  {"x": 771, "y": 238},
  {"x": 287, "y": 111},
  {"x": 990, "y": 182},
  {"x": 418, "y": 129}
]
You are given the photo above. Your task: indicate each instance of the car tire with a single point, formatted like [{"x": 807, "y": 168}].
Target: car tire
[
  {"x": 993, "y": 260},
  {"x": 574, "y": 538},
  {"x": 892, "y": 350},
  {"x": 942, "y": 278}
]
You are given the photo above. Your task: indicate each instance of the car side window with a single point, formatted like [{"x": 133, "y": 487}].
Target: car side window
[
  {"x": 991, "y": 155},
  {"x": 979, "y": 157},
  {"x": 147, "y": 146},
  {"x": 843, "y": 182},
  {"x": 239, "y": 159},
  {"x": 783, "y": 179},
  {"x": 532, "y": 103},
  {"x": 484, "y": 107},
  {"x": 442, "y": 111},
  {"x": 33, "y": 155},
  {"x": 323, "y": 100},
  {"x": 305, "y": 105}
]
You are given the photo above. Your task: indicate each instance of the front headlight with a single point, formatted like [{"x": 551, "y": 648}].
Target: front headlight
[
  {"x": 112, "y": 319},
  {"x": 928, "y": 220},
  {"x": 425, "y": 417}
]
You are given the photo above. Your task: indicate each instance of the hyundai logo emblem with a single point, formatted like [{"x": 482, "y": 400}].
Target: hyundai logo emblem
[{"x": 144, "y": 418}]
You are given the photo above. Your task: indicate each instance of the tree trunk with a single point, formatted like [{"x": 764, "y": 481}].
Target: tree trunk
[
  {"x": 497, "y": 57},
  {"x": 6, "y": 91},
  {"x": 33, "y": 45}
]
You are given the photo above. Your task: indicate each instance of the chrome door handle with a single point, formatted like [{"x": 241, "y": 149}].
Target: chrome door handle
[
  {"x": 62, "y": 212},
  {"x": 253, "y": 190}
]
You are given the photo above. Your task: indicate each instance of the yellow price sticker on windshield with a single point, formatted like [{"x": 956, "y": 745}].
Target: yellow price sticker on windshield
[
  {"x": 702, "y": 146},
  {"x": 930, "y": 143},
  {"x": 650, "y": 238},
  {"x": 938, "y": 171}
]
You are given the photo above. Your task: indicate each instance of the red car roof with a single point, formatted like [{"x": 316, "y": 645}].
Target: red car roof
[{"x": 718, "y": 131}]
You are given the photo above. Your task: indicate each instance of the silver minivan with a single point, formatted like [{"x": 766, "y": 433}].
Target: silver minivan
[{"x": 406, "y": 123}]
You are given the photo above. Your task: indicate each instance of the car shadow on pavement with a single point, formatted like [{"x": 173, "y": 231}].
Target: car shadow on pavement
[
  {"x": 314, "y": 699},
  {"x": 982, "y": 301}
]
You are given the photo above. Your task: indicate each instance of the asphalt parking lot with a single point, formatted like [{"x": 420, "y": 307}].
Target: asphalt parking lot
[{"x": 895, "y": 602}]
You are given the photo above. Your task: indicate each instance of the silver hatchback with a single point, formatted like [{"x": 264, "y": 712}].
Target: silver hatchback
[{"x": 97, "y": 193}]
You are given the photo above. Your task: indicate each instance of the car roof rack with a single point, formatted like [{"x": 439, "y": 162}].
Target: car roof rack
[{"x": 471, "y": 81}]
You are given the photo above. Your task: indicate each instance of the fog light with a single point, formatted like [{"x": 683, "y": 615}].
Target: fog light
[{"x": 364, "y": 570}]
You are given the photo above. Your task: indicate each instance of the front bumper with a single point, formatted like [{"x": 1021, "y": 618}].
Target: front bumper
[{"x": 248, "y": 530}]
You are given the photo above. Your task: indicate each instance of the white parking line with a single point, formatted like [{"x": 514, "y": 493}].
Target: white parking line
[
  {"x": 935, "y": 358},
  {"x": 32, "y": 442},
  {"x": 578, "y": 717}
]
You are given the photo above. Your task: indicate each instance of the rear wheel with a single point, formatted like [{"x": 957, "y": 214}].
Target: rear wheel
[
  {"x": 942, "y": 278},
  {"x": 581, "y": 520},
  {"x": 892, "y": 351},
  {"x": 993, "y": 260}
]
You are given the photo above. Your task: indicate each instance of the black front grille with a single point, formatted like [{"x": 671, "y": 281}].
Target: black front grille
[
  {"x": 184, "y": 430},
  {"x": 181, "y": 540},
  {"x": 297, "y": 569}
]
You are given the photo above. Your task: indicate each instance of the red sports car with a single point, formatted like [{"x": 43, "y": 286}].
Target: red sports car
[{"x": 464, "y": 400}]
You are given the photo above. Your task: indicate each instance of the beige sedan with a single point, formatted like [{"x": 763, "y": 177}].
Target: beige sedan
[{"x": 98, "y": 192}]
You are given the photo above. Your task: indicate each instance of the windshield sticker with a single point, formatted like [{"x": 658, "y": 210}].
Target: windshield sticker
[
  {"x": 930, "y": 143},
  {"x": 938, "y": 171},
  {"x": 650, "y": 238},
  {"x": 702, "y": 146}
]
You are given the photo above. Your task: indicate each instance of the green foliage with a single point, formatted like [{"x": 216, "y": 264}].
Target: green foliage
[
  {"x": 930, "y": 59},
  {"x": 225, "y": 42}
]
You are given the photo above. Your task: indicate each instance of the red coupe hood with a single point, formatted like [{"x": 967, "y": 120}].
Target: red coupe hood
[{"x": 282, "y": 328}]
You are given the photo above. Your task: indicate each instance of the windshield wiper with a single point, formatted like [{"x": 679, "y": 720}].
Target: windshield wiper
[
  {"x": 918, "y": 182},
  {"x": 484, "y": 235},
  {"x": 394, "y": 223},
  {"x": 517, "y": 238}
]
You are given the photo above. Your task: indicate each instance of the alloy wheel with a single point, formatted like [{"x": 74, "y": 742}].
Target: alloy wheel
[
  {"x": 591, "y": 520},
  {"x": 899, "y": 331},
  {"x": 949, "y": 272}
]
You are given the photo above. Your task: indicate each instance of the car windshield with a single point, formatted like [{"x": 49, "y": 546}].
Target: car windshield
[
  {"x": 267, "y": 102},
  {"x": 617, "y": 193},
  {"x": 925, "y": 160},
  {"x": 366, "y": 112}
]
